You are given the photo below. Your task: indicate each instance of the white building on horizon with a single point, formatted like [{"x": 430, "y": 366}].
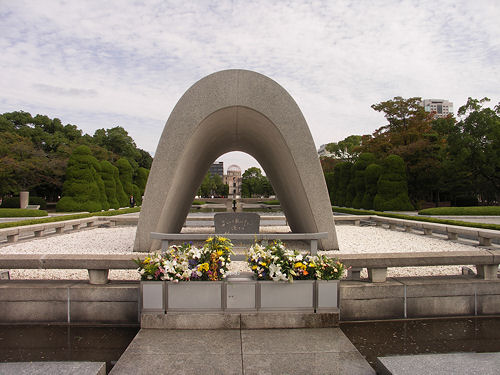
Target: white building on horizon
[
  {"x": 322, "y": 151},
  {"x": 440, "y": 107}
]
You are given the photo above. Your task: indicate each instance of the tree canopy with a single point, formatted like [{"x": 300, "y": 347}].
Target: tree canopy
[
  {"x": 35, "y": 150},
  {"x": 445, "y": 159},
  {"x": 254, "y": 183}
]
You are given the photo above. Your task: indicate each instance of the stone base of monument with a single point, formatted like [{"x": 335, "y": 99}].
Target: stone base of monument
[
  {"x": 240, "y": 294},
  {"x": 257, "y": 320},
  {"x": 54, "y": 368}
]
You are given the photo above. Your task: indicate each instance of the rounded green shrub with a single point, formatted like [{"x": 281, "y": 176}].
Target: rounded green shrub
[
  {"x": 329, "y": 179},
  {"x": 102, "y": 189},
  {"x": 107, "y": 176},
  {"x": 372, "y": 174},
  {"x": 137, "y": 195},
  {"x": 126, "y": 173},
  {"x": 342, "y": 182},
  {"x": 364, "y": 160},
  {"x": 121, "y": 197},
  {"x": 392, "y": 187},
  {"x": 81, "y": 190},
  {"x": 141, "y": 179}
]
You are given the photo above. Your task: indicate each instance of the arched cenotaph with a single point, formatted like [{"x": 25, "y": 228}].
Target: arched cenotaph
[{"x": 235, "y": 110}]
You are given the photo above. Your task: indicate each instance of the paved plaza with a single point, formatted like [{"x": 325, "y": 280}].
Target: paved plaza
[{"x": 220, "y": 352}]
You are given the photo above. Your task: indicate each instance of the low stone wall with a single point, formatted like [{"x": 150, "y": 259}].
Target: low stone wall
[
  {"x": 418, "y": 297},
  {"x": 118, "y": 302},
  {"x": 74, "y": 302}
]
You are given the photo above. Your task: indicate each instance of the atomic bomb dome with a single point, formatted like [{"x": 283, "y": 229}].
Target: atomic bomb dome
[{"x": 233, "y": 180}]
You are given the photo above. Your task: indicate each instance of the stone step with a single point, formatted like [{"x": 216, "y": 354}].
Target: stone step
[{"x": 257, "y": 320}]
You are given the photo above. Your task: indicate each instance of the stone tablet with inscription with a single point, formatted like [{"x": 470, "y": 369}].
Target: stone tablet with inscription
[{"x": 237, "y": 222}]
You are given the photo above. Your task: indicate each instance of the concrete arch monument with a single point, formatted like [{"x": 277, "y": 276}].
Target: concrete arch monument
[{"x": 235, "y": 110}]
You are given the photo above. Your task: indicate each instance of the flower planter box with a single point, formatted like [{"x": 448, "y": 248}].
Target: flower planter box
[
  {"x": 153, "y": 296},
  {"x": 285, "y": 296},
  {"x": 327, "y": 295},
  {"x": 193, "y": 296}
]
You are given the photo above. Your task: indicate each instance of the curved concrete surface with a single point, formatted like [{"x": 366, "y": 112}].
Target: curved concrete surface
[{"x": 235, "y": 110}]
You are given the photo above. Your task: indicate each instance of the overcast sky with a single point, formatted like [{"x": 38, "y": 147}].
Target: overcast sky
[{"x": 99, "y": 64}]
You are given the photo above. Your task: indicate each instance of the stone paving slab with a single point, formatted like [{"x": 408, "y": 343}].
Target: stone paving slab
[
  {"x": 441, "y": 364},
  {"x": 220, "y": 352},
  {"x": 53, "y": 368}
]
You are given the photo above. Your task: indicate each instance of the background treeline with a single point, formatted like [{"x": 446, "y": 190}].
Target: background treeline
[
  {"x": 255, "y": 184},
  {"x": 212, "y": 185},
  {"x": 455, "y": 160},
  {"x": 50, "y": 159}
]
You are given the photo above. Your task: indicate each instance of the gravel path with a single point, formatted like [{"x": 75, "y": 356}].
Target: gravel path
[{"x": 120, "y": 240}]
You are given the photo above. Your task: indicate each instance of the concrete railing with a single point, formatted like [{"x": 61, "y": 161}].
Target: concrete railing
[
  {"x": 486, "y": 262},
  {"x": 312, "y": 237},
  {"x": 58, "y": 227},
  {"x": 484, "y": 236},
  {"x": 98, "y": 265}
]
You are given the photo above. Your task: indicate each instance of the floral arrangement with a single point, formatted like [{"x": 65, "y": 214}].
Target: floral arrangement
[
  {"x": 276, "y": 262},
  {"x": 187, "y": 262}
]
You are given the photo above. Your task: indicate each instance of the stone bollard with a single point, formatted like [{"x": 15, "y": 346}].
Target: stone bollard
[{"x": 24, "y": 198}]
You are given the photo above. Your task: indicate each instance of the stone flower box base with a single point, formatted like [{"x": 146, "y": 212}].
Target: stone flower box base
[
  {"x": 195, "y": 296},
  {"x": 327, "y": 295},
  {"x": 152, "y": 296},
  {"x": 239, "y": 295},
  {"x": 285, "y": 296}
]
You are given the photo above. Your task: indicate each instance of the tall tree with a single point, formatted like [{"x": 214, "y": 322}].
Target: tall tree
[
  {"x": 474, "y": 147},
  {"x": 254, "y": 183}
]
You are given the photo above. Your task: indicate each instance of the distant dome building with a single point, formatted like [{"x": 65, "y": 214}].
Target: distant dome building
[{"x": 233, "y": 180}]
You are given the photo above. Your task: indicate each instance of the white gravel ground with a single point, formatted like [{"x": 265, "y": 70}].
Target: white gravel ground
[{"x": 120, "y": 240}]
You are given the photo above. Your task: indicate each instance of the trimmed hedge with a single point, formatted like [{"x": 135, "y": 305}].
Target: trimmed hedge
[
  {"x": 341, "y": 181},
  {"x": 273, "y": 202},
  {"x": 416, "y": 218},
  {"x": 141, "y": 179},
  {"x": 359, "y": 179},
  {"x": 126, "y": 172},
  {"x": 392, "y": 187},
  {"x": 83, "y": 188},
  {"x": 107, "y": 175},
  {"x": 372, "y": 174},
  {"x": 121, "y": 196},
  {"x": 462, "y": 211},
  {"x": 53, "y": 219},
  {"x": 18, "y": 212}
]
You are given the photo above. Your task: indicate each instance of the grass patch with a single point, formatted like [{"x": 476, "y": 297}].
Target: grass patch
[
  {"x": 271, "y": 202},
  {"x": 69, "y": 217},
  {"x": 462, "y": 211},
  {"x": 21, "y": 212},
  {"x": 416, "y": 218},
  {"x": 198, "y": 203}
]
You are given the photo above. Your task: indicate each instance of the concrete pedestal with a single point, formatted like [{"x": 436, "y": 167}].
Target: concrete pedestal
[{"x": 24, "y": 197}]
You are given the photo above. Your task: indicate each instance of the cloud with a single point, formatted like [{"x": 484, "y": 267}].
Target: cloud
[
  {"x": 97, "y": 64},
  {"x": 64, "y": 91}
]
